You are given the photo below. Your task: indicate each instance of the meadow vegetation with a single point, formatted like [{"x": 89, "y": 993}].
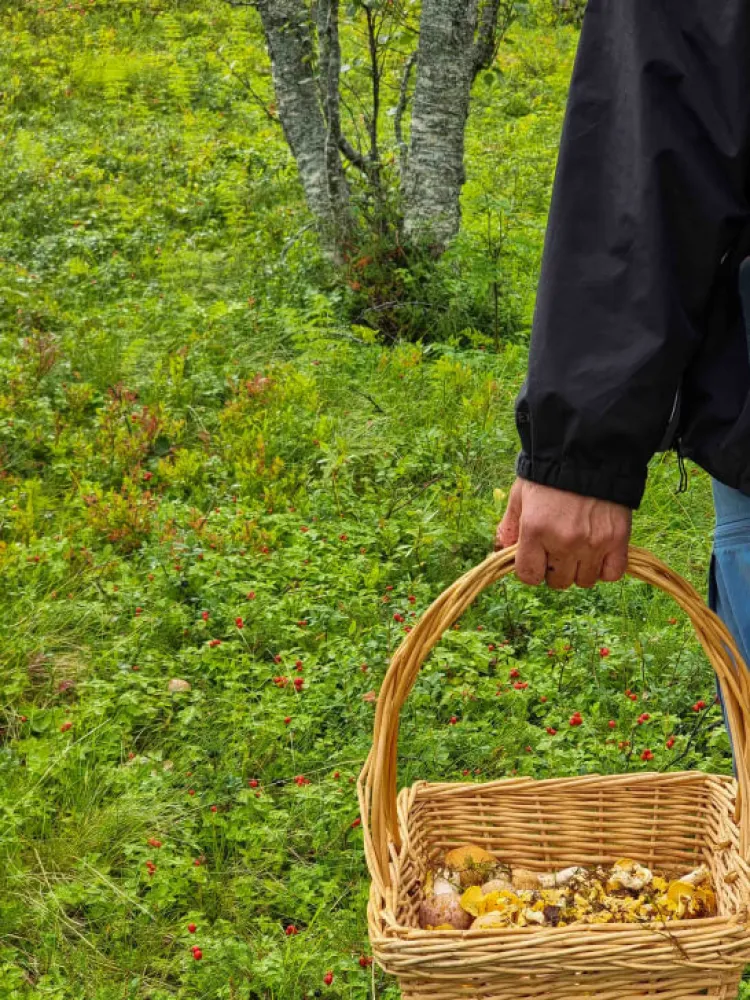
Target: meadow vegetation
[{"x": 215, "y": 467}]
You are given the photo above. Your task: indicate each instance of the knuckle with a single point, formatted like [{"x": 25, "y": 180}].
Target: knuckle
[
  {"x": 532, "y": 527},
  {"x": 620, "y": 536},
  {"x": 570, "y": 538},
  {"x": 614, "y": 571},
  {"x": 603, "y": 540},
  {"x": 528, "y": 575}
]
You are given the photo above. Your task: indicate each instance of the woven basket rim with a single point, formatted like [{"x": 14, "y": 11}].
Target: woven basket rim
[
  {"x": 647, "y": 926},
  {"x": 527, "y": 783}
]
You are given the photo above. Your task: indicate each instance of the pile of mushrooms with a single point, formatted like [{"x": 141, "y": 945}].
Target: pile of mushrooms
[{"x": 472, "y": 890}]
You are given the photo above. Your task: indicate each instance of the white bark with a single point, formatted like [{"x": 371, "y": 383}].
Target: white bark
[
  {"x": 312, "y": 138},
  {"x": 456, "y": 38}
]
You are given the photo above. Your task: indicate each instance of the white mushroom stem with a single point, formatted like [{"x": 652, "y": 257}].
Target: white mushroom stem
[
  {"x": 696, "y": 877},
  {"x": 442, "y": 887},
  {"x": 564, "y": 877}
]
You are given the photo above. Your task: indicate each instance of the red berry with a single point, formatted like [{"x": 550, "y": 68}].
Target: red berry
[
  {"x": 239, "y": 623},
  {"x": 670, "y": 742},
  {"x": 612, "y": 724},
  {"x": 365, "y": 961},
  {"x": 551, "y": 731},
  {"x": 337, "y": 775},
  {"x": 277, "y": 658},
  {"x": 205, "y": 615},
  {"x": 543, "y": 698},
  {"x": 287, "y": 720},
  {"x": 214, "y": 809},
  {"x": 299, "y": 683},
  {"x": 328, "y": 978},
  {"x": 647, "y": 755},
  {"x": 153, "y": 842},
  {"x": 576, "y": 719},
  {"x": 514, "y": 674},
  {"x": 191, "y": 791},
  {"x": 298, "y": 664},
  {"x": 291, "y": 930},
  {"x": 453, "y": 720},
  {"x": 197, "y": 954},
  {"x": 192, "y": 928},
  {"x": 520, "y": 685},
  {"x": 357, "y": 822},
  {"x": 412, "y": 599},
  {"x": 66, "y": 726},
  {"x": 253, "y": 782},
  {"x": 604, "y": 651},
  {"x": 699, "y": 706},
  {"x": 197, "y": 862},
  {"x": 672, "y": 621},
  {"x": 251, "y": 596}
]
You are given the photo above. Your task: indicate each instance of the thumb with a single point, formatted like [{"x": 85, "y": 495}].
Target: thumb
[{"x": 509, "y": 528}]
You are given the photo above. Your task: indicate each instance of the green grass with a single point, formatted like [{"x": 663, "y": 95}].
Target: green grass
[{"x": 185, "y": 421}]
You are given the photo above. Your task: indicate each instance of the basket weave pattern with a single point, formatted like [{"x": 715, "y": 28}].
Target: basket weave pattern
[{"x": 668, "y": 821}]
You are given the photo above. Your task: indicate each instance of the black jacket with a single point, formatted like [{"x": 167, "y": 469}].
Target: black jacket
[{"x": 638, "y": 302}]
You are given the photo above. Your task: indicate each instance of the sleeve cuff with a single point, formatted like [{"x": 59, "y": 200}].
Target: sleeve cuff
[{"x": 604, "y": 483}]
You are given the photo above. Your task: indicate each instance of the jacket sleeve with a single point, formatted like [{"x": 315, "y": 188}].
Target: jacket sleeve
[{"x": 650, "y": 195}]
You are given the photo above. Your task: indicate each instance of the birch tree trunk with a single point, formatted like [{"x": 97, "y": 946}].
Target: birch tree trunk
[
  {"x": 456, "y": 38},
  {"x": 311, "y": 125}
]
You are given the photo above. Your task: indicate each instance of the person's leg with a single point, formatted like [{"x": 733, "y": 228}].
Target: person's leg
[{"x": 729, "y": 589}]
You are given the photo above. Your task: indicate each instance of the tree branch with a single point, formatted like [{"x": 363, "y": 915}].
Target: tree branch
[
  {"x": 353, "y": 155},
  {"x": 372, "y": 41},
  {"x": 495, "y": 17},
  {"x": 329, "y": 47},
  {"x": 403, "y": 100}
]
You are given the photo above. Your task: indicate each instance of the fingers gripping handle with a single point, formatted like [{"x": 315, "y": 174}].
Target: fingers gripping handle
[{"x": 378, "y": 781}]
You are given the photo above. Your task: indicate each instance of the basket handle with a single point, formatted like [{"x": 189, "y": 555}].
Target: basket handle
[{"x": 377, "y": 782}]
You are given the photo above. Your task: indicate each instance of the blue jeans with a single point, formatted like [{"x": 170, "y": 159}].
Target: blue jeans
[
  {"x": 729, "y": 584},
  {"x": 729, "y": 580}
]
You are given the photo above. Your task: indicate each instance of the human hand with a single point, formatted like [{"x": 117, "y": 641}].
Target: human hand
[{"x": 564, "y": 538}]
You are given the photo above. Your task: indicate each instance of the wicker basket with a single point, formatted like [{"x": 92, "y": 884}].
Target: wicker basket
[{"x": 664, "y": 820}]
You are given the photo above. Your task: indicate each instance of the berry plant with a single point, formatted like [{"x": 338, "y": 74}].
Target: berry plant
[{"x": 223, "y": 505}]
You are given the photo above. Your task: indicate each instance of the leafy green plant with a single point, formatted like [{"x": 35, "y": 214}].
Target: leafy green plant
[{"x": 209, "y": 474}]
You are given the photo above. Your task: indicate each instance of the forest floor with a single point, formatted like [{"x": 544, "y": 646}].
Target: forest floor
[{"x": 207, "y": 477}]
